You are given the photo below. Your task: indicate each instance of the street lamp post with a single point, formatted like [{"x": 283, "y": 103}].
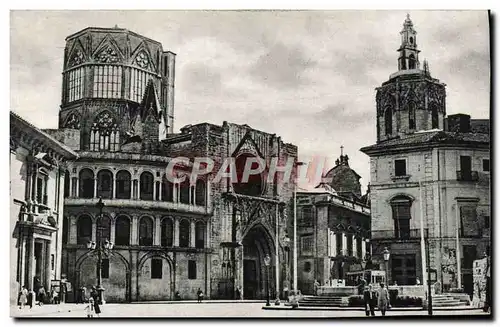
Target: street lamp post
[
  {"x": 297, "y": 164},
  {"x": 363, "y": 266},
  {"x": 286, "y": 280},
  {"x": 267, "y": 262},
  {"x": 387, "y": 255}
]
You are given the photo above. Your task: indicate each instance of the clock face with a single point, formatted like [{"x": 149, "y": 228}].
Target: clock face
[{"x": 142, "y": 60}]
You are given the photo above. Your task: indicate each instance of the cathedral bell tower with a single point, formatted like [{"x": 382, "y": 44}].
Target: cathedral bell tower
[{"x": 411, "y": 100}]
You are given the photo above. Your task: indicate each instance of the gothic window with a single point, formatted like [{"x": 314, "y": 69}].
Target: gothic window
[
  {"x": 86, "y": 183},
  {"x": 156, "y": 268},
  {"x": 42, "y": 179},
  {"x": 138, "y": 82},
  {"x": 349, "y": 245},
  {"x": 107, "y": 81},
  {"x": 108, "y": 56},
  {"x": 84, "y": 229},
  {"x": 200, "y": 192},
  {"x": 388, "y": 121},
  {"x": 103, "y": 228},
  {"x": 401, "y": 215},
  {"x": 122, "y": 230},
  {"x": 435, "y": 116},
  {"x": 166, "y": 189},
  {"x": 123, "y": 184},
  {"x": 77, "y": 58},
  {"x": 65, "y": 230},
  {"x": 105, "y": 184},
  {"x": 104, "y": 134},
  {"x": 184, "y": 191},
  {"x": 412, "y": 63},
  {"x": 184, "y": 232},
  {"x": 167, "y": 232},
  {"x": 147, "y": 181},
  {"x": 76, "y": 81},
  {"x": 200, "y": 235},
  {"x": 469, "y": 226},
  {"x": 146, "y": 231},
  {"x": 411, "y": 116},
  {"x": 142, "y": 60}
]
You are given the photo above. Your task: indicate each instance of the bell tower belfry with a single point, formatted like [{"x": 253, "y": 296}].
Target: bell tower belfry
[
  {"x": 408, "y": 52},
  {"x": 411, "y": 100}
]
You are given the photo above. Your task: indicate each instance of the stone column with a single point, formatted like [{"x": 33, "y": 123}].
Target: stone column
[
  {"x": 344, "y": 243},
  {"x": 363, "y": 248},
  {"x": 94, "y": 230},
  {"x": 72, "y": 230},
  {"x": 47, "y": 266},
  {"x": 334, "y": 244},
  {"x": 133, "y": 275},
  {"x": 176, "y": 232},
  {"x": 157, "y": 236},
  {"x": 95, "y": 187},
  {"x": 134, "y": 230},
  {"x": 112, "y": 235},
  {"x": 192, "y": 235},
  {"x": 207, "y": 235},
  {"x": 31, "y": 262},
  {"x": 114, "y": 186},
  {"x": 160, "y": 197},
  {"x": 354, "y": 246},
  {"x": 77, "y": 190},
  {"x": 154, "y": 190},
  {"x": 174, "y": 192},
  {"x": 192, "y": 190}
]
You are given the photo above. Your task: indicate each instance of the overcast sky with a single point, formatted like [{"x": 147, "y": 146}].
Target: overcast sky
[{"x": 308, "y": 76}]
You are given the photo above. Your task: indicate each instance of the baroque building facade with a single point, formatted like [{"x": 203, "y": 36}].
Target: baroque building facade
[
  {"x": 428, "y": 172},
  {"x": 169, "y": 236},
  {"x": 37, "y": 166}
]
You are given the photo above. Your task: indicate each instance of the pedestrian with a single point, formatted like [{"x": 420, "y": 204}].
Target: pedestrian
[
  {"x": 177, "y": 296},
  {"x": 316, "y": 287},
  {"x": 418, "y": 281},
  {"x": 23, "y": 297},
  {"x": 368, "y": 301},
  {"x": 200, "y": 295},
  {"x": 487, "y": 302},
  {"x": 89, "y": 309},
  {"x": 41, "y": 296},
  {"x": 238, "y": 293},
  {"x": 383, "y": 299},
  {"x": 285, "y": 290},
  {"x": 55, "y": 296},
  {"x": 30, "y": 298}
]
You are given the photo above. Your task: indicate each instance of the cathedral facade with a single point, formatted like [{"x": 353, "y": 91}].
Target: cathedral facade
[
  {"x": 168, "y": 236},
  {"x": 430, "y": 178}
]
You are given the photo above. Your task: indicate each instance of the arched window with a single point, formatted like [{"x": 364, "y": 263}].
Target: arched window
[
  {"x": 104, "y": 134},
  {"x": 200, "y": 192},
  {"x": 66, "y": 183},
  {"x": 388, "y": 121},
  {"x": 411, "y": 116},
  {"x": 184, "y": 231},
  {"x": 166, "y": 189},
  {"x": 86, "y": 183},
  {"x": 123, "y": 184},
  {"x": 200, "y": 235},
  {"x": 184, "y": 191},
  {"x": 435, "y": 116},
  {"x": 412, "y": 63},
  {"x": 122, "y": 230},
  {"x": 105, "y": 184},
  {"x": 167, "y": 232},
  {"x": 401, "y": 213},
  {"x": 65, "y": 231},
  {"x": 147, "y": 185},
  {"x": 146, "y": 231},
  {"x": 84, "y": 229},
  {"x": 103, "y": 228}
]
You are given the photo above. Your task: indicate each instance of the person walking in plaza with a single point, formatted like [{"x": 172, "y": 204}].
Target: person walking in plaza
[
  {"x": 31, "y": 297},
  {"x": 41, "y": 296},
  {"x": 369, "y": 301},
  {"x": 89, "y": 309},
  {"x": 316, "y": 287},
  {"x": 200, "y": 295},
  {"x": 23, "y": 297},
  {"x": 383, "y": 299}
]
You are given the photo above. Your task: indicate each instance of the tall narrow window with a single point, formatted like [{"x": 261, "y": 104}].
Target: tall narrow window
[
  {"x": 138, "y": 83},
  {"x": 166, "y": 189},
  {"x": 104, "y": 134},
  {"x": 76, "y": 81},
  {"x": 122, "y": 230},
  {"x": 105, "y": 184},
  {"x": 200, "y": 235},
  {"x": 123, "y": 184},
  {"x": 184, "y": 192},
  {"x": 105, "y": 268},
  {"x": 84, "y": 229},
  {"x": 184, "y": 233},
  {"x": 412, "y": 63},
  {"x": 468, "y": 221},
  {"x": 65, "y": 230},
  {"x": 411, "y": 116},
  {"x": 435, "y": 116},
  {"x": 191, "y": 269},
  {"x": 147, "y": 181},
  {"x": 401, "y": 215},
  {"x": 167, "y": 232},
  {"x": 388, "y": 121},
  {"x": 104, "y": 228},
  {"x": 86, "y": 183},
  {"x": 146, "y": 231},
  {"x": 349, "y": 245},
  {"x": 200, "y": 192},
  {"x": 400, "y": 167},
  {"x": 66, "y": 184},
  {"x": 107, "y": 81},
  {"x": 156, "y": 268}
]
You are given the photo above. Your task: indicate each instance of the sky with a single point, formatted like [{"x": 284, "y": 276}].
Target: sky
[{"x": 308, "y": 76}]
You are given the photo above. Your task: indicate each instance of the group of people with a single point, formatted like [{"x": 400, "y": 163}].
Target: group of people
[
  {"x": 93, "y": 304},
  {"x": 28, "y": 298},
  {"x": 376, "y": 298}
]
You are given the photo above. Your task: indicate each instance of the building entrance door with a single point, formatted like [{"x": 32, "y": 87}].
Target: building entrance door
[{"x": 250, "y": 278}]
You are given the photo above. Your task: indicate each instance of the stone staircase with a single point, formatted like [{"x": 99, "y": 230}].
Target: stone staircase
[
  {"x": 450, "y": 300},
  {"x": 324, "y": 301}
]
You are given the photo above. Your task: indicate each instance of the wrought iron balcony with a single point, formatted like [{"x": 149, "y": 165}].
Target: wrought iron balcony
[
  {"x": 409, "y": 234},
  {"x": 467, "y": 175}
]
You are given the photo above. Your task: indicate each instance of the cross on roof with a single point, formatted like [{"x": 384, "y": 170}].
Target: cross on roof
[{"x": 341, "y": 150}]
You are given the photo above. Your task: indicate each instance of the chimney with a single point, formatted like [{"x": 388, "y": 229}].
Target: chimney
[{"x": 459, "y": 123}]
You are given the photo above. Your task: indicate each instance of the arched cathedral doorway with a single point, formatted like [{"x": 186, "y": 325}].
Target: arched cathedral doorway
[{"x": 257, "y": 243}]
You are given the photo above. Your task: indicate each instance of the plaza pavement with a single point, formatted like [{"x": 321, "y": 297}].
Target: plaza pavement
[{"x": 219, "y": 309}]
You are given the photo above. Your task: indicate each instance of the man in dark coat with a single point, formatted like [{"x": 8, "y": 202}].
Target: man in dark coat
[{"x": 370, "y": 300}]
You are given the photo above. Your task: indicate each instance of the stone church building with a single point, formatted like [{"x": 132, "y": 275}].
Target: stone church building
[
  {"x": 431, "y": 169},
  {"x": 117, "y": 113}
]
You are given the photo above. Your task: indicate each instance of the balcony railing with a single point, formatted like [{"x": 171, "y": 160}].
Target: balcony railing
[
  {"x": 410, "y": 234},
  {"x": 467, "y": 175}
]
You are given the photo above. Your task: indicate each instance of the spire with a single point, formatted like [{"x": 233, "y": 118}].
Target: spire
[
  {"x": 426, "y": 68},
  {"x": 408, "y": 52}
]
